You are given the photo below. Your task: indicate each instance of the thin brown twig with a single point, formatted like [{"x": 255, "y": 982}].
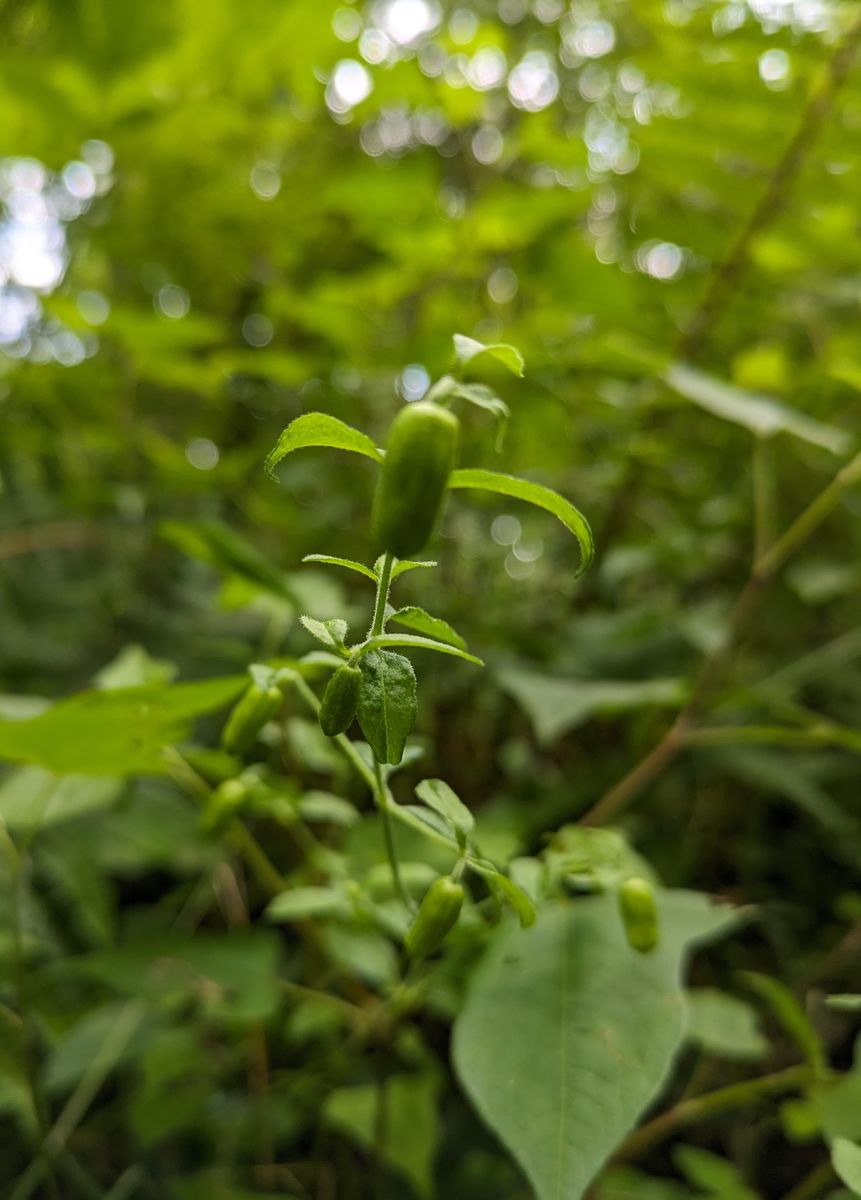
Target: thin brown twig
[{"x": 59, "y": 535}]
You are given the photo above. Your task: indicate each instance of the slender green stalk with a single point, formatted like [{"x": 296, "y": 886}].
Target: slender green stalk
[
  {"x": 381, "y": 795},
  {"x": 384, "y": 584},
  {"x": 700, "y": 1108}
]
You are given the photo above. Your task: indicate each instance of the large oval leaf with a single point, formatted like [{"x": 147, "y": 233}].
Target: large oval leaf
[
  {"x": 319, "y": 429},
  {"x": 532, "y": 493},
  {"x": 565, "y": 1023}
]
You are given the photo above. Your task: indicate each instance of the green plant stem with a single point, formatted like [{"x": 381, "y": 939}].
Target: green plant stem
[
  {"x": 384, "y": 584},
  {"x": 383, "y": 799},
  {"x": 701, "y": 1108},
  {"x": 764, "y": 569}
]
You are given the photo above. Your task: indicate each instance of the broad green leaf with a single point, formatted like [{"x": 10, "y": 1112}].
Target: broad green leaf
[
  {"x": 330, "y": 632},
  {"x": 432, "y": 627},
  {"x": 555, "y": 706},
  {"x": 410, "y": 1123},
  {"x": 386, "y": 707},
  {"x": 32, "y": 798},
  {"x": 406, "y": 564},
  {"x": 414, "y": 642},
  {"x": 564, "y": 1022},
  {"x": 436, "y": 794},
  {"x": 299, "y": 903},
  {"x": 846, "y": 1160},
  {"x": 323, "y": 806},
  {"x": 532, "y": 493},
  {"x": 516, "y": 897},
  {"x": 319, "y": 429},
  {"x": 133, "y": 667},
  {"x": 348, "y": 564},
  {"x": 724, "y": 1025},
  {"x": 789, "y": 1012},
  {"x": 759, "y": 414},
  {"x": 235, "y": 974},
  {"x": 467, "y": 350},
  {"x": 119, "y": 732},
  {"x": 217, "y": 544}
]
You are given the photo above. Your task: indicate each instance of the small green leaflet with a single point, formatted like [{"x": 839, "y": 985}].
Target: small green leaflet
[
  {"x": 846, "y": 1160},
  {"x": 387, "y": 703},
  {"x": 348, "y": 564},
  {"x": 516, "y": 897},
  {"x": 432, "y": 627},
  {"x": 300, "y": 903},
  {"x": 331, "y": 632},
  {"x": 478, "y": 394},
  {"x": 413, "y": 642},
  {"x": 319, "y": 429},
  {"x": 790, "y": 1014},
  {"x": 467, "y": 350},
  {"x": 218, "y": 545},
  {"x": 406, "y": 565},
  {"x": 436, "y": 794},
  {"x": 532, "y": 493}
]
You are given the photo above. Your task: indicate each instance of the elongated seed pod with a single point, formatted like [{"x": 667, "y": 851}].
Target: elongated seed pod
[
  {"x": 420, "y": 454},
  {"x": 437, "y": 915},
  {"x": 338, "y": 706},
  {"x": 255, "y": 707},
  {"x": 639, "y": 914}
]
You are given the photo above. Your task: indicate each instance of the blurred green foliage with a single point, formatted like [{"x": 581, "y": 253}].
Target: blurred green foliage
[{"x": 216, "y": 217}]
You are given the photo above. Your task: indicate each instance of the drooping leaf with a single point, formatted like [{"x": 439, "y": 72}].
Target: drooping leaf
[
  {"x": 433, "y": 627},
  {"x": 556, "y": 705},
  {"x": 387, "y": 704},
  {"x": 564, "y": 1022},
  {"x": 217, "y": 544},
  {"x": 759, "y": 414},
  {"x": 119, "y": 732},
  {"x": 437, "y": 794},
  {"x": 468, "y": 350},
  {"x": 415, "y": 642},
  {"x": 32, "y": 798},
  {"x": 516, "y": 897},
  {"x": 320, "y": 430},
  {"x": 532, "y": 493}
]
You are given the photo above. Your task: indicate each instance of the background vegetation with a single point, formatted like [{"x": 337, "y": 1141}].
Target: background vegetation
[{"x": 217, "y": 216}]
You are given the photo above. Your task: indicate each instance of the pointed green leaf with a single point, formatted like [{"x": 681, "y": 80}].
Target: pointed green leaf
[
  {"x": 597, "y": 1028},
  {"x": 516, "y": 897},
  {"x": 478, "y": 394},
  {"x": 217, "y": 544},
  {"x": 416, "y": 643},
  {"x": 387, "y": 703},
  {"x": 759, "y": 414},
  {"x": 436, "y": 794},
  {"x": 432, "y": 627},
  {"x": 319, "y": 429},
  {"x": 846, "y": 1160},
  {"x": 300, "y": 903},
  {"x": 349, "y": 564},
  {"x": 330, "y": 632},
  {"x": 789, "y": 1012},
  {"x": 407, "y": 565},
  {"x": 532, "y": 493},
  {"x": 467, "y": 350}
]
